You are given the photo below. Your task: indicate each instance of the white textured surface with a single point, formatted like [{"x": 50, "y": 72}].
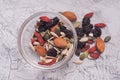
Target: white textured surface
[{"x": 14, "y": 12}]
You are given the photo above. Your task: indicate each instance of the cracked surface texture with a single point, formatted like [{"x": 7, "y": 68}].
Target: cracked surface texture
[{"x": 14, "y": 12}]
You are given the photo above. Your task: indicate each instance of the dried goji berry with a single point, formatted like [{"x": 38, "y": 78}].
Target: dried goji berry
[
  {"x": 45, "y": 19},
  {"x": 95, "y": 55},
  {"x": 38, "y": 36},
  {"x": 90, "y": 41},
  {"x": 33, "y": 40},
  {"x": 91, "y": 50},
  {"x": 49, "y": 63},
  {"x": 100, "y": 25},
  {"x": 89, "y": 15}
]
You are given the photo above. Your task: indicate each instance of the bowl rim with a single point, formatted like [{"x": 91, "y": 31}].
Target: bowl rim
[{"x": 20, "y": 35}]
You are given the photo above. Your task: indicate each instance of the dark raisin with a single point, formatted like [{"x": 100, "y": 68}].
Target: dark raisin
[
  {"x": 81, "y": 45},
  {"x": 79, "y": 32},
  {"x": 87, "y": 29},
  {"x": 56, "y": 19},
  {"x": 68, "y": 33},
  {"x": 42, "y": 24},
  {"x": 97, "y": 32},
  {"x": 90, "y": 25},
  {"x": 41, "y": 29},
  {"x": 85, "y": 22},
  {"x": 52, "y": 52},
  {"x": 63, "y": 28}
]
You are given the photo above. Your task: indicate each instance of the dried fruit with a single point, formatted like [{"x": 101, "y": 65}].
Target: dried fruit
[
  {"x": 45, "y": 19},
  {"x": 100, "y": 25},
  {"x": 40, "y": 50},
  {"x": 96, "y": 32},
  {"x": 33, "y": 40},
  {"x": 52, "y": 52},
  {"x": 41, "y": 41},
  {"x": 81, "y": 45},
  {"x": 85, "y": 22},
  {"x": 79, "y": 32},
  {"x": 60, "y": 42},
  {"x": 52, "y": 61},
  {"x": 100, "y": 44},
  {"x": 90, "y": 41},
  {"x": 70, "y": 15},
  {"x": 107, "y": 39},
  {"x": 89, "y": 15},
  {"x": 95, "y": 55},
  {"x": 91, "y": 50},
  {"x": 85, "y": 48}
]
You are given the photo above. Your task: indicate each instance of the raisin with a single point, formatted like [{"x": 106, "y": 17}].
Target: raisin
[
  {"x": 56, "y": 19},
  {"x": 97, "y": 32},
  {"x": 68, "y": 33},
  {"x": 81, "y": 45},
  {"x": 79, "y": 32},
  {"x": 63, "y": 28},
  {"x": 87, "y": 29},
  {"x": 52, "y": 52},
  {"x": 85, "y": 22}
]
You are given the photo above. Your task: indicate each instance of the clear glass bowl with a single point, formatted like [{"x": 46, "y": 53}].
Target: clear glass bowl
[{"x": 25, "y": 34}]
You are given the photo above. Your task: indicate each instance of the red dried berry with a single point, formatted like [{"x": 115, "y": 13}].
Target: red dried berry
[
  {"x": 100, "y": 25},
  {"x": 85, "y": 48},
  {"x": 38, "y": 36},
  {"x": 91, "y": 50},
  {"x": 45, "y": 19},
  {"x": 49, "y": 63},
  {"x": 90, "y": 41},
  {"x": 33, "y": 40},
  {"x": 89, "y": 15},
  {"x": 95, "y": 55}
]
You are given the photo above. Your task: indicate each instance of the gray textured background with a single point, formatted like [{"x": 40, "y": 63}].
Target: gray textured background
[{"x": 14, "y": 12}]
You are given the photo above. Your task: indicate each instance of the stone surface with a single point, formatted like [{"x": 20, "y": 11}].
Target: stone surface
[{"x": 14, "y": 12}]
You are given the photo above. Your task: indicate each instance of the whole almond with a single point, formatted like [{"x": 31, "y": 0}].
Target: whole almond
[
  {"x": 60, "y": 42},
  {"x": 100, "y": 44},
  {"x": 40, "y": 50},
  {"x": 70, "y": 15}
]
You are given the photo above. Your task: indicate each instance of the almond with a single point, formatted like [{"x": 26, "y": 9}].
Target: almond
[
  {"x": 40, "y": 50},
  {"x": 70, "y": 15},
  {"x": 60, "y": 42},
  {"x": 100, "y": 44}
]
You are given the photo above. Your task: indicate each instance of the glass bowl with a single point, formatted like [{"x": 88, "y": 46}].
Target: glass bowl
[{"x": 24, "y": 37}]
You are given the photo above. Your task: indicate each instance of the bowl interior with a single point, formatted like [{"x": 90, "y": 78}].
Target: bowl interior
[{"x": 25, "y": 33}]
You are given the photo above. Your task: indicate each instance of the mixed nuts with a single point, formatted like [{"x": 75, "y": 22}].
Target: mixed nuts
[
  {"x": 51, "y": 40},
  {"x": 90, "y": 44}
]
